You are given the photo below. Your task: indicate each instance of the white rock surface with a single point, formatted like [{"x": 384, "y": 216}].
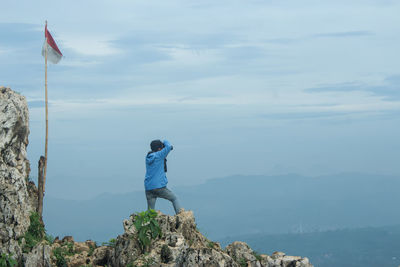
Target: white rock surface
[
  {"x": 15, "y": 204},
  {"x": 39, "y": 256}
]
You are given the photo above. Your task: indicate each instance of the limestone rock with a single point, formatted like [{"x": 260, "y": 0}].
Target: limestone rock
[
  {"x": 78, "y": 254},
  {"x": 183, "y": 245},
  {"x": 205, "y": 257},
  {"x": 241, "y": 252},
  {"x": 39, "y": 256},
  {"x": 279, "y": 259},
  {"x": 102, "y": 256},
  {"x": 15, "y": 199},
  {"x": 78, "y": 260}
]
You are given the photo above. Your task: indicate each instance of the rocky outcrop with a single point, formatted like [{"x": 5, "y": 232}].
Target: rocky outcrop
[
  {"x": 15, "y": 200},
  {"x": 76, "y": 254},
  {"x": 181, "y": 244},
  {"x": 241, "y": 252}
]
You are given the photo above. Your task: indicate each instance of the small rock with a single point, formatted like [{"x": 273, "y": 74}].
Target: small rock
[{"x": 68, "y": 239}]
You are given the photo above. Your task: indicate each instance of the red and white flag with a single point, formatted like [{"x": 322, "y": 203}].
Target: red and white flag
[{"x": 54, "y": 54}]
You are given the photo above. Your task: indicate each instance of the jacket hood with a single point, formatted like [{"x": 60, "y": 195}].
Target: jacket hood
[{"x": 150, "y": 158}]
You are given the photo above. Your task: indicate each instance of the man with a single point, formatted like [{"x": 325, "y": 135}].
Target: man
[{"x": 156, "y": 181}]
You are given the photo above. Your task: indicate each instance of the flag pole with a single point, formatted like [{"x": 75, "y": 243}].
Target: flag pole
[{"x": 47, "y": 113}]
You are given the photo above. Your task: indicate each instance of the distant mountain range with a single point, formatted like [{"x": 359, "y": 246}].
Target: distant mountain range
[
  {"x": 372, "y": 247},
  {"x": 244, "y": 205}
]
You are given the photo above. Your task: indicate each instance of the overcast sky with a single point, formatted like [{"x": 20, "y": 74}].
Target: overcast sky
[{"x": 238, "y": 87}]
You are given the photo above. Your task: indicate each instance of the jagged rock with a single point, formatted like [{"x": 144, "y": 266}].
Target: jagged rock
[
  {"x": 166, "y": 254},
  {"x": 102, "y": 256},
  {"x": 87, "y": 246},
  {"x": 78, "y": 260},
  {"x": 181, "y": 241},
  {"x": 67, "y": 239},
  {"x": 205, "y": 257},
  {"x": 241, "y": 252},
  {"x": 78, "y": 254},
  {"x": 279, "y": 259},
  {"x": 183, "y": 245},
  {"x": 16, "y": 203},
  {"x": 39, "y": 256}
]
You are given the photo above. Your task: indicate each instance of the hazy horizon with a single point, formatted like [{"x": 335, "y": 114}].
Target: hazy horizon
[
  {"x": 243, "y": 205},
  {"x": 211, "y": 180}
]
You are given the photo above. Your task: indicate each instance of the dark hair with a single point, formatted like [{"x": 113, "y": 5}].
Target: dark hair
[{"x": 155, "y": 145}]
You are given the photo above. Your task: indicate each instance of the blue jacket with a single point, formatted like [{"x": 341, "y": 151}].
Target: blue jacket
[{"x": 155, "y": 174}]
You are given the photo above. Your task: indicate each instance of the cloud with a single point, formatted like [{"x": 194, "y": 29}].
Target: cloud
[
  {"x": 74, "y": 62},
  {"x": 90, "y": 45},
  {"x": 294, "y": 40},
  {"x": 283, "y": 40},
  {"x": 4, "y": 50},
  {"x": 343, "y": 34},
  {"x": 389, "y": 90},
  {"x": 305, "y": 115}
]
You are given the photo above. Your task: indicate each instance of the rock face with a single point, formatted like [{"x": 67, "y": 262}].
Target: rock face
[
  {"x": 15, "y": 200},
  {"x": 39, "y": 256}
]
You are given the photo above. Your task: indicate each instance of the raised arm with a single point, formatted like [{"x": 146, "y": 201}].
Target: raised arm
[{"x": 164, "y": 152}]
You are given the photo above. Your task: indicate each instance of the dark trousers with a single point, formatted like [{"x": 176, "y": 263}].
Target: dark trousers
[{"x": 164, "y": 192}]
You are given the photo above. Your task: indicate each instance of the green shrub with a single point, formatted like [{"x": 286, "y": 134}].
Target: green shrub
[
  {"x": 59, "y": 254},
  {"x": 147, "y": 228},
  {"x": 210, "y": 244},
  {"x": 7, "y": 260},
  {"x": 111, "y": 243},
  {"x": 143, "y": 262},
  {"x": 35, "y": 233},
  {"x": 148, "y": 262},
  {"x": 69, "y": 250},
  {"x": 257, "y": 255},
  {"x": 91, "y": 249},
  {"x": 243, "y": 262},
  {"x": 49, "y": 238}
]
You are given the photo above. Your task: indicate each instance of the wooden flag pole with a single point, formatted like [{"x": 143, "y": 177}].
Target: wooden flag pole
[{"x": 47, "y": 114}]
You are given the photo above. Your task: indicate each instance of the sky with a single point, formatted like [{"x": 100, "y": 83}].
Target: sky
[{"x": 238, "y": 87}]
